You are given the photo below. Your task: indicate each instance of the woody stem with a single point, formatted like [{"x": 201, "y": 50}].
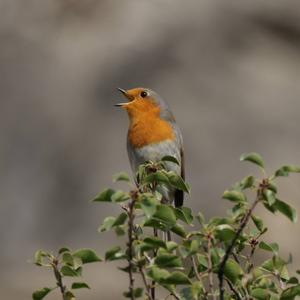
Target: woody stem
[
  {"x": 233, "y": 242},
  {"x": 130, "y": 247},
  {"x": 58, "y": 278}
]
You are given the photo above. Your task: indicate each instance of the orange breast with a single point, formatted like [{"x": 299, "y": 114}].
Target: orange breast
[
  {"x": 148, "y": 130},
  {"x": 146, "y": 127}
]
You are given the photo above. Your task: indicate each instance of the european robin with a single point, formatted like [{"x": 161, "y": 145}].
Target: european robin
[{"x": 153, "y": 134}]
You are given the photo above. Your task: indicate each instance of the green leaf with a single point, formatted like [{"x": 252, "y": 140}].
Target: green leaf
[
  {"x": 216, "y": 254},
  {"x": 286, "y": 210},
  {"x": 39, "y": 257},
  {"x": 279, "y": 262},
  {"x": 184, "y": 214},
  {"x": 272, "y": 186},
  {"x": 70, "y": 296},
  {"x": 247, "y": 182},
  {"x": 272, "y": 208},
  {"x": 253, "y": 157},
  {"x": 107, "y": 224},
  {"x": 120, "y": 220},
  {"x": 157, "y": 177},
  {"x": 177, "y": 181},
  {"x": 68, "y": 271},
  {"x": 176, "y": 278},
  {"x": 194, "y": 247},
  {"x": 79, "y": 285},
  {"x": 238, "y": 211},
  {"x": 156, "y": 242},
  {"x": 165, "y": 214},
  {"x": 157, "y": 273},
  {"x": 137, "y": 293},
  {"x": 68, "y": 258},
  {"x": 120, "y": 196},
  {"x": 293, "y": 280},
  {"x": 87, "y": 255},
  {"x": 187, "y": 294},
  {"x": 215, "y": 221},
  {"x": 272, "y": 247},
  {"x": 179, "y": 230},
  {"x": 156, "y": 224},
  {"x": 104, "y": 196},
  {"x": 286, "y": 170},
  {"x": 140, "y": 174},
  {"x": 269, "y": 196},
  {"x": 200, "y": 218},
  {"x": 122, "y": 176},
  {"x": 114, "y": 253},
  {"x": 290, "y": 293},
  {"x": 276, "y": 263},
  {"x": 233, "y": 271},
  {"x": 257, "y": 273},
  {"x": 143, "y": 247},
  {"x": 267, "y": 265},
  {"x": 171, "y": 246},
  {"x": 258, "y": 222},
  {"x": 149, "y": 206},
  {"x": 119, "y": 230},
  {"x": 225, "y": 232},
  {"x": 40, "y": 294},
  {"x": 169, "y": 158},
  {"x": 195, "y": 291},
  {"x": 260, "y": 293},
  {"x": 168, "y": 261},
  {"x": 284, "y": 273},
  {"x": 63, "y": 249},
  {"x": 234, "y": 196},
  {"x": 77, "y": 262},
  {"x": 112, "y": 222},
  {"x": 202, "y": 259}
]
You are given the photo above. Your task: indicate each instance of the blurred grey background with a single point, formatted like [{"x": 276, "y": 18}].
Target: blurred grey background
[{"x": 229, "y": 69}]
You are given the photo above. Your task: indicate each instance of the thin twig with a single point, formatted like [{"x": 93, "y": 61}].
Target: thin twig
[
  {"x": 281, "y": 283},
  {"x": 195, "y": 267},
  {"x": 155, "y": 233},
  {"x": 233, "y": 289},
  {"x": 175, "y": 296},
  {"x": 58, "y": 278},
  {"x": 130, "y": 246},
  {"x": 148, "y": 289},
  {"x": 249, "y": 257},
  {"x": 253, "y": 244},
  {"x": 237, "y": 235},
  {"x": 236, "y": 258},
  {"x": 154, "y": 255},
  {"x": 210, "y": 271}
]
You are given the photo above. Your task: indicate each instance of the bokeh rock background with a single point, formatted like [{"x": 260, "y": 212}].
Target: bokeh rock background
[{"x": 229, "y": 69}]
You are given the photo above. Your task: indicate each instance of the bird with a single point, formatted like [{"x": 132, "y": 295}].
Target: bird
[{"x": 152, "y": 134}]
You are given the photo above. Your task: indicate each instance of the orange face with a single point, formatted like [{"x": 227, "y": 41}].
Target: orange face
[
  {"x": 140, "y": 104},
  {"x": 146, "y": 126}
]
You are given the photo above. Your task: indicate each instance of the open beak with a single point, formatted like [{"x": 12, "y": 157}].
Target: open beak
[{"x": 129, "y": 97}]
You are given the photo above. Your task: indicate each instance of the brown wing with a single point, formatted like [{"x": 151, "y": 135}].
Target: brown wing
[{"x": 179, "y": 195}]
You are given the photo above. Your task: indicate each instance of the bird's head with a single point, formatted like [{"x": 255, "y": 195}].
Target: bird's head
[{"x": 143, "y": 101}]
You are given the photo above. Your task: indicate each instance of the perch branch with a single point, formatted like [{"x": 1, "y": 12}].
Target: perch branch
[{"x": 237, "y": 235}]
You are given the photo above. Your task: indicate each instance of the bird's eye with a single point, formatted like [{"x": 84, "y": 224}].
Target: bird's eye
[{"x": 144, "y": 94}]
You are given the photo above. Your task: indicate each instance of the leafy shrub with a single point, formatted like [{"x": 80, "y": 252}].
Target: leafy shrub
[{"x": 211, "y": 259}]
